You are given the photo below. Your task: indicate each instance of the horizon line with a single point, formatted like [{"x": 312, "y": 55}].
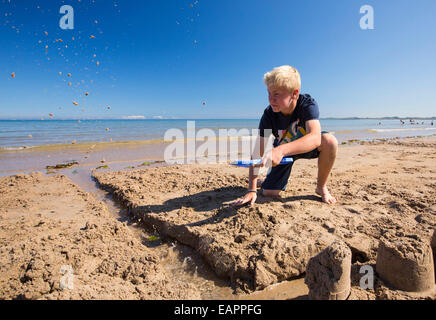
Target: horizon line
[{"x": 193, "y": 118}]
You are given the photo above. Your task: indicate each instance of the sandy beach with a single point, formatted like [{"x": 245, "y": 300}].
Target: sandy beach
[{"x": 180, "y": 238}]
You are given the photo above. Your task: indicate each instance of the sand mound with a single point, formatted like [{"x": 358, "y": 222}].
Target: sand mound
[{"x": 255, "y": 246}]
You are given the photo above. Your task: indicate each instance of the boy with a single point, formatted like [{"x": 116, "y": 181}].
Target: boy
[{"x": 293, "y": 119}]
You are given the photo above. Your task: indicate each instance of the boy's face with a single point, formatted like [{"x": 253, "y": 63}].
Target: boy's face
[{"x": 279, "y": 99}]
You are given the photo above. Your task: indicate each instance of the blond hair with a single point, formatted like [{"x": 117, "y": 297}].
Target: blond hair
[{"x": 283, "y": 77}]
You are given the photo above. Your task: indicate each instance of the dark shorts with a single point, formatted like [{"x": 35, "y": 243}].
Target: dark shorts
[{"x": 278, "y": 177}]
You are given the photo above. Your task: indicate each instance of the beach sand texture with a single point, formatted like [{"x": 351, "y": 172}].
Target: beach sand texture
[
  {"x": 49, "y": 225},
  {"x": 385, "y": 187}
]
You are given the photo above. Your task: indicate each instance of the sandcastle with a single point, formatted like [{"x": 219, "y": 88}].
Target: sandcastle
[
  {"x": 406, "y": 262},
  {"x": 328, "y": 273}
]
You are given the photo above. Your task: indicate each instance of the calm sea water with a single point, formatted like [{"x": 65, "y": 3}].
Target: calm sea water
[{"x": 14, "y": 134}]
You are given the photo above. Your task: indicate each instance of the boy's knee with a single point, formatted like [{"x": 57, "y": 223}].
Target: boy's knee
[
  {"x": 329, "y": 141},
  {"x": 271, "y": 193}
]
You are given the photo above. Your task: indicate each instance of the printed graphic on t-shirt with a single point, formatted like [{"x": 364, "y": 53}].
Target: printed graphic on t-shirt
[{"x": 295, "y": 132}]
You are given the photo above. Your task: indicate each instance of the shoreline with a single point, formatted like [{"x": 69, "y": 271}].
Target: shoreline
[
  {"x": 53, "y": 137},
  {"x": 82, "y": 146},
  {"x": 118, "y": 154},
  {"x": 98, "y": 145}
]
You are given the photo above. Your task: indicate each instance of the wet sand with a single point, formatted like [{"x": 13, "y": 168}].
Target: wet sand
[
  {"x": 49, "y": 226},
  {"x": 86, "y": 154},
  {"x": 201, "y": 242}
]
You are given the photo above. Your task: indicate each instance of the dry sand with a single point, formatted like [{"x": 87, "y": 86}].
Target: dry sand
[{"x": 382, "y": 187}]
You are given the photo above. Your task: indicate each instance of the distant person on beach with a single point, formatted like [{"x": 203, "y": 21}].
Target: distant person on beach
[{"x": 293, "y": 119}]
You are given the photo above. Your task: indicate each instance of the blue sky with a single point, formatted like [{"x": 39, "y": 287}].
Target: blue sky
[{"x": 162, "y": 58}]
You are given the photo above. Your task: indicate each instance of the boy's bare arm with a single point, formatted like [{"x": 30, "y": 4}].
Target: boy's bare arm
[
  {"x": 252, "y": 178},
  {"x": 251, "y": 195},
  {"x": 310, "y": 141}
]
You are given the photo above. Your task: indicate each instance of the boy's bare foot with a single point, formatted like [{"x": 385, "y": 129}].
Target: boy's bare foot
[{"x": 325, "y": 195}]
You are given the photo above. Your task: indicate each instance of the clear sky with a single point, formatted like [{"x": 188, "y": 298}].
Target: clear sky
[{"x": 164, "y": 58}]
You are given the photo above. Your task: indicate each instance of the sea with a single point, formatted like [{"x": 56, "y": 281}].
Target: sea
[{"x": 19, "y": 134}]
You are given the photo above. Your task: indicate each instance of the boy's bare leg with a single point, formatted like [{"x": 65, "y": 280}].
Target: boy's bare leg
[
  {"x": 270, "y": 193},
  {"x": 326, "y": 159},
  {"x": 327, "y": 156}
]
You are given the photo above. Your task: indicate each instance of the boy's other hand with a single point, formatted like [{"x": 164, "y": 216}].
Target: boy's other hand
[{"x": 250, "y": 197}]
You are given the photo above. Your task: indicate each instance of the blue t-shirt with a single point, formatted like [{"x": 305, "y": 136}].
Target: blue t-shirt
[{"x": 305, "y": 110}]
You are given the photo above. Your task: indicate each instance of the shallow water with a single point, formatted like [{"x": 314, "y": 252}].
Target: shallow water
[{"x": 15, "y": 134}]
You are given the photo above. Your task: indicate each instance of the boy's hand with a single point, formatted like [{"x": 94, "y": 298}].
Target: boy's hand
[
  {"x": 273, "y": 158},
  {"x": 249, "y": 197},
  {"x": 276, "y": 156}
]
